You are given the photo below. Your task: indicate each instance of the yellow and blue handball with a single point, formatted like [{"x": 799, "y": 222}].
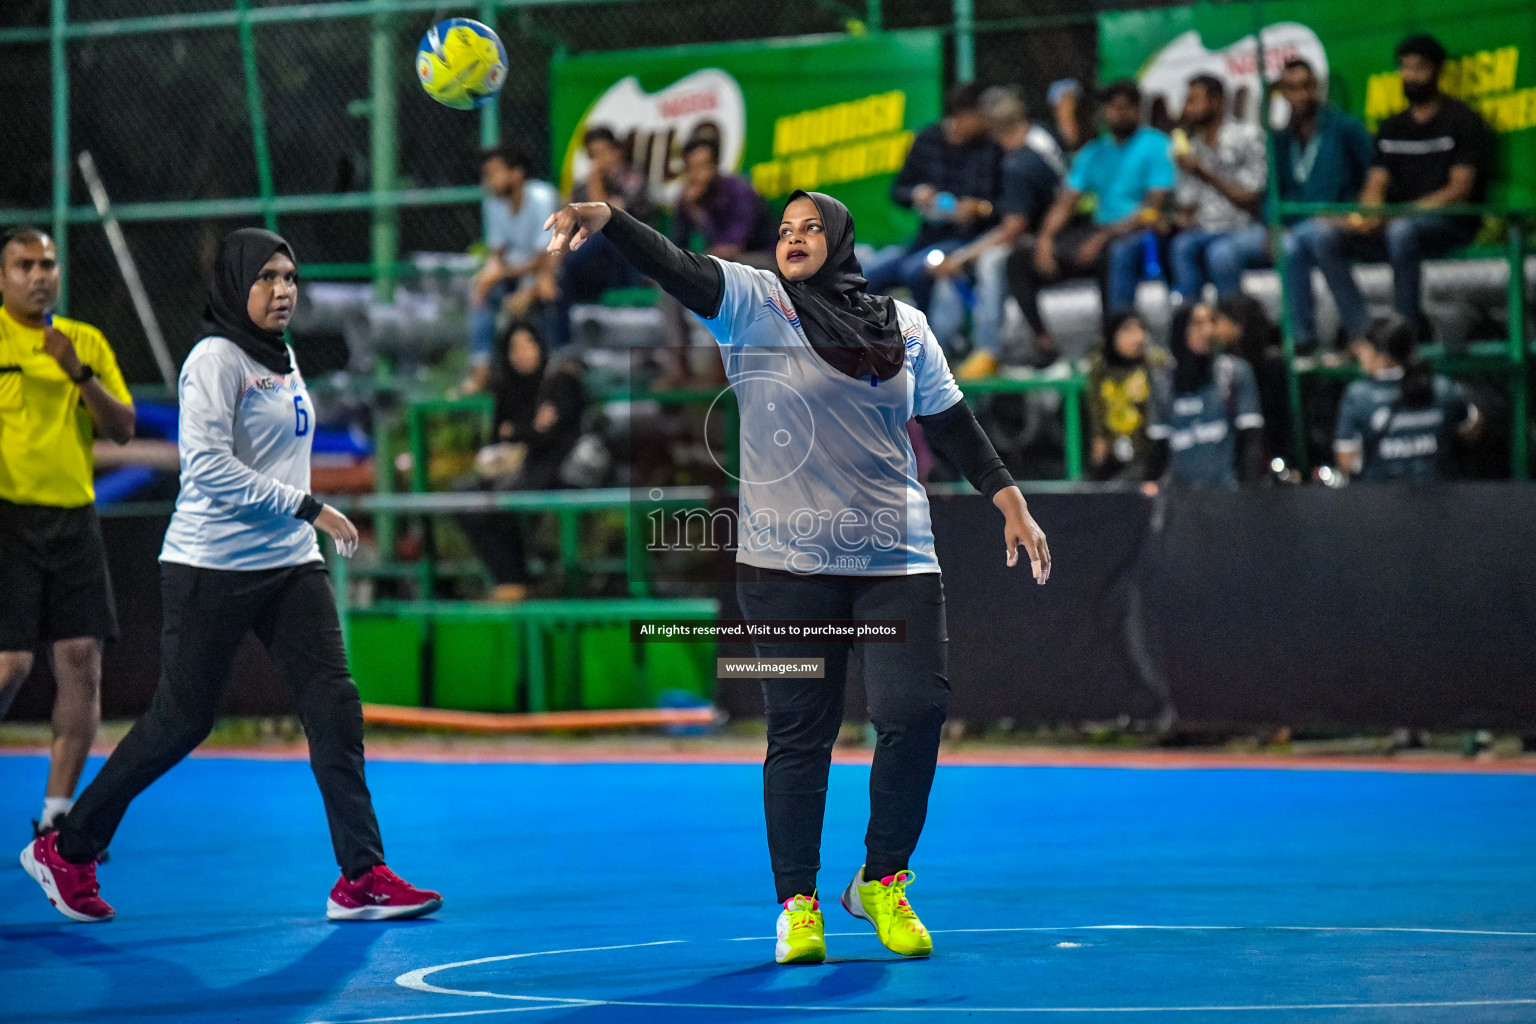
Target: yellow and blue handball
[{"x": 461, "y": 63}]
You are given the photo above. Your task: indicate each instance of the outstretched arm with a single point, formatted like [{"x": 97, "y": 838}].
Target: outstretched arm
[{"x": 688, "y": 277}]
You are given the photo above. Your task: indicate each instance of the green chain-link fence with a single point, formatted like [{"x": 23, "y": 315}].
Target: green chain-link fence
[{"x": 160, "y": 92}]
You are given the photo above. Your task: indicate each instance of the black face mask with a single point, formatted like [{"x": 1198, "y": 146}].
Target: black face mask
[
  {"x": 241, "y": 257},
  {"x": 1420, "y": 92}
]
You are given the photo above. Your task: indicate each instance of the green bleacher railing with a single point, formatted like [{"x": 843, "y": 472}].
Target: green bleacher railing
[
  {"x": 1508, "y": 358},
  {"x": 537, "y": 619},
  {"x": 567, "y": 506}
]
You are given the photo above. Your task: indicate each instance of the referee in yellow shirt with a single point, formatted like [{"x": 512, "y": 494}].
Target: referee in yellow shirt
[{"x": 59, "y": 388}]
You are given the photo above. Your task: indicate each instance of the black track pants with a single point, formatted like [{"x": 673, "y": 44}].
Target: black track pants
[
  {"x": 907, "y": 686},
  {"x": 206, "y": 614}
]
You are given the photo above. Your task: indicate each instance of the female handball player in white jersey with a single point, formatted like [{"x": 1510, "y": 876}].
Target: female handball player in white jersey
[
  {"x": 241, "y": 554},
  {"x": 833, "y": 525}
]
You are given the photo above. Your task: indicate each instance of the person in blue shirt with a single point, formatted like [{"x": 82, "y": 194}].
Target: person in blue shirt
[
  {"x": 513, "y": 213},
  {"x": 1397, "y": 423},
  {"x": 1206, "y": 418},
  {"x": 1129, "y": 174}
]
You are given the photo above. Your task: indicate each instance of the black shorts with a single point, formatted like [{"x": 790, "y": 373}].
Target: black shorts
[{"x": 53, "y": 576}]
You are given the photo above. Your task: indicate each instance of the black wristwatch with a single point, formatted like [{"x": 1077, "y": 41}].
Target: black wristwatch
[{"x": 86, "y": 373}]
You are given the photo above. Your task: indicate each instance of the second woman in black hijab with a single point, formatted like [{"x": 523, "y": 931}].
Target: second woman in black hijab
[
  {"x": 241, "y": 556},
  {"x": 834, "y": 526},
  {"x": 536, "y": 422}
]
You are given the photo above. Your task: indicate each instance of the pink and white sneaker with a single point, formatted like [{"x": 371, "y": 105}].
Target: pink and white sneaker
[
  {"x": 71, "y": 888},
  {"x": 379, "y": 895}
]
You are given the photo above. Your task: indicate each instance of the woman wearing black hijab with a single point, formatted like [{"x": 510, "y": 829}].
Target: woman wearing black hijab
[
  {"x": 536, "y": 422},
  {"x": 241, "y": 554},
  {"x": 1206, "y": 417},
  {"x": 833, "y": 525}
]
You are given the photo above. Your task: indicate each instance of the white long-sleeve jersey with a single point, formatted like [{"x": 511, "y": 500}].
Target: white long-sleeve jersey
[{"x": 245, "y": 438}]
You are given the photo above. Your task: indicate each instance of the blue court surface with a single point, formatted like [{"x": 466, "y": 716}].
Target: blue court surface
[{"x": 641, "y": 892}]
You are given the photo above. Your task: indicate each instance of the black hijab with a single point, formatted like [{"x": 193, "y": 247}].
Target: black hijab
[
  {"x": 241, "y": 256},
  {"x": 854, "y": 331},
  {"x": 516, "y": 393},
  {"x": 1116, "y": 320},
  {"x": 1191, "y": 372}
]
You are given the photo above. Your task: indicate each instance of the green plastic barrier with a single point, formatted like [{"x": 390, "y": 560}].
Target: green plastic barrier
[{"x": 384, "y": 651}]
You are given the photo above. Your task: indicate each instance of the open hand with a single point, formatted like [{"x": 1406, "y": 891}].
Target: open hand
[
  {"x": 1019, "y": 527},
  {"x": 576, "y": 223}
]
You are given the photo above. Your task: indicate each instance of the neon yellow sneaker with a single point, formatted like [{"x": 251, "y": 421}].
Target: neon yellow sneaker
[
  {"x": 883, "y": 903},
  {"x": 802, "y": 932}
]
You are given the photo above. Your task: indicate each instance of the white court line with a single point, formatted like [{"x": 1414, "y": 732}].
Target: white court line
[
  {"x": 417, "y": 980},
  {"x": 1184, "y": 928},
  {"x": 435, "y": 1016},
  {"x": 1235, "y": 1008}
]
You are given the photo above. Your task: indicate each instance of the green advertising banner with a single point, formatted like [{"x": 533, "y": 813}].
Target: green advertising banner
[
  {"x": 835, "y": 113},
  {"x": 1492, "y": 65}
]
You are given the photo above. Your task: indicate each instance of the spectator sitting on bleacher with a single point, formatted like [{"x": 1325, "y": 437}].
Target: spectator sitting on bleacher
[
  {"x": 513, "y": 213},
  {"x": 1435, "y": 153},
  {"x": 588, "y": 272},
  {"x": 1129, "y": 173},
  {"x": 1397, "y": 424},
  {"x": 1206, "y": 420},
  {"x": 1222, "y": 172},
  {"x": 723, "y": 215},
  {"x": 950, "y": 177},
  {"x": 1031, "y": 175},
  {"x": 536, "y": 423},
  {"x": 1321, "y": 155},
  {"x": 1120, "y": 396}
]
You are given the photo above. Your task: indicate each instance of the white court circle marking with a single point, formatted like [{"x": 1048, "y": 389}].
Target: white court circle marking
[{"x": 417, "y": 979}]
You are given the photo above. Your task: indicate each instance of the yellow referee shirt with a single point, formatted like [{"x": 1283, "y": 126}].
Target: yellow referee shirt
[{"x": 45, "y": 428}]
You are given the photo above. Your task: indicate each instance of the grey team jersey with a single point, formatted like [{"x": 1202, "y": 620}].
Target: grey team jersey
[
  {"x": 244, "y": 442},
  {"x": 1201, "y": 428},
  {"x": 1399, "y": 444},
  {"x": 828, "y": 480}
]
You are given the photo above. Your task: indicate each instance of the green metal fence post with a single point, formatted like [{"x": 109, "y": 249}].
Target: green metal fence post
[
  {"x": 1519, "y": 405},
  {"x": 490, "y": 114},
  {"x": 965, "y": 40},
  {"x": 1277, "y": 246},
  {"x": 386, "y": 221},
  {"x": 258, "y": 116},
  {"x": 61, "y": 162},
  {"x": 874, "y": 15},
  {"x": 1072, "y": 411}
]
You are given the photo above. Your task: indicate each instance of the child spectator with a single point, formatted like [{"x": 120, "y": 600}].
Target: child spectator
[{"x": 1120, "y": 396}]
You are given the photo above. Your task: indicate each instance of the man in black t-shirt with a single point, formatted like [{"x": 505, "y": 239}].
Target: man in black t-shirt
[
  {"x": 1032, "y": 167},
  {"x": 1436, "y": 153}
]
